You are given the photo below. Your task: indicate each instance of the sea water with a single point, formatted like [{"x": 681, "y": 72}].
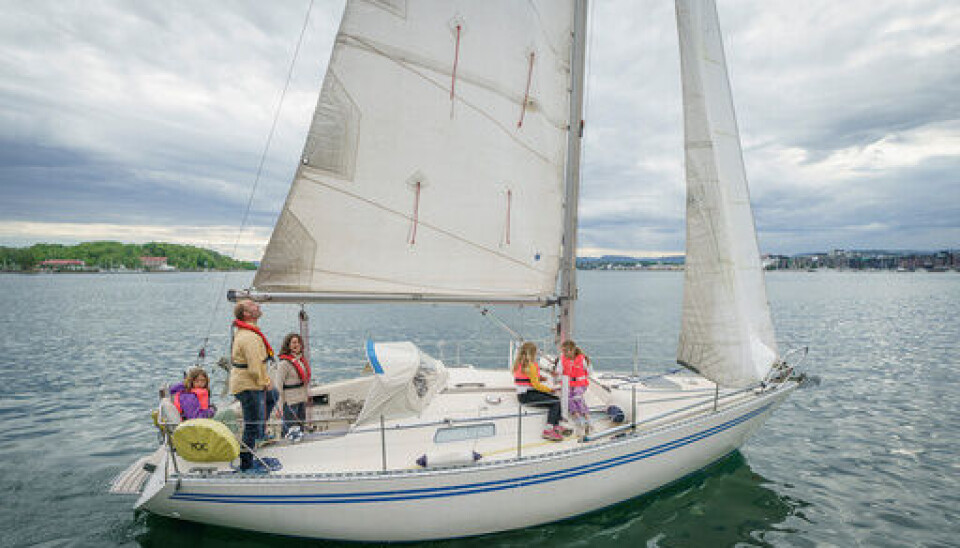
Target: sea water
[{"x": 865, "y": 456}]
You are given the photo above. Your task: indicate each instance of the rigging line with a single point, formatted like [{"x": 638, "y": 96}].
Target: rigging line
[
  {"x": 305, "y": 176},
  {"x": 263, "y": 157},
  {"x": 487, "y": 313}
]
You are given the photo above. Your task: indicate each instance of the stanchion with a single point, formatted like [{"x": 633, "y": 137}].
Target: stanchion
[
  {"x": 383, "y": 443},
  {"x": 636, "y": 379},
  {"x": 519, "y": 428}
]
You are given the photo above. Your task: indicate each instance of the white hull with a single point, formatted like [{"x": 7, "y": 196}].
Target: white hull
[{"x": 468, "y": 500}]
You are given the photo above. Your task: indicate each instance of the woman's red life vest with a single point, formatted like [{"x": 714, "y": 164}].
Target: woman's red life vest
[
  {"x": 202, "y": 394},
  {"x": 301, "y": 365},
  {"x": 576, "y": 370},
  {"x": 244, "y": 325}
]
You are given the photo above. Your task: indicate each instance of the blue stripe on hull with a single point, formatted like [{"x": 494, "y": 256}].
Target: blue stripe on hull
[{"x": 473, "y": 488}]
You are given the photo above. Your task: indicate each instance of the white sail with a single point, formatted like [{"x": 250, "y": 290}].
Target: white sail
[
  {"x": 727, "y": 333},
  {"x": 434, "y": 163}
]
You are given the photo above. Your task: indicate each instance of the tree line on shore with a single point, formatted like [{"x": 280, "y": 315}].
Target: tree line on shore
[{"x": 113, "y": 255}]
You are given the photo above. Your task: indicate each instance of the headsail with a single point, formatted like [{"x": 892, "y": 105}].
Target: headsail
[
  {"x": 434, "y": 163},
  {"x": 727, "y": 333}
]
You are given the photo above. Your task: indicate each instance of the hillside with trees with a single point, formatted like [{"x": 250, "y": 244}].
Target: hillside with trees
[{"x": 113, "y": 255}]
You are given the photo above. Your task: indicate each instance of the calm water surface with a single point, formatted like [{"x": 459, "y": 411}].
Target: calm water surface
[{"x": 867, "y": 457}]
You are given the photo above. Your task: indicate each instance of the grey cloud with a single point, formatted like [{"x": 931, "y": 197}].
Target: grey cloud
[
  {"x": 139, "y": 112},
  {"x": 897, "y": 209},
  {"x": 822, "y": 76},
  {"x": 133, "y": 113}
]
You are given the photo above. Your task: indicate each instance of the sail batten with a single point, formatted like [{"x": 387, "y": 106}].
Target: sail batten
[
  {"x": 404, "y": 178},
  {"x": 727, "y": 331}
]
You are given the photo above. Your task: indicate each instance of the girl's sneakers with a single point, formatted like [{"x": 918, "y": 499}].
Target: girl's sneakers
[{"x": 552, "y": 434}]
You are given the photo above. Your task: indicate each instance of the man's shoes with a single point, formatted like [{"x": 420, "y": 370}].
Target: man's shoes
[
  {"x": 564, "y": 430},
  {"x": 256, "y": 468},
  {"x": 261, "y": 465}
]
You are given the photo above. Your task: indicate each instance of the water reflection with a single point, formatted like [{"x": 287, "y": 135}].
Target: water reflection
[{"x": 725, "y": 504}]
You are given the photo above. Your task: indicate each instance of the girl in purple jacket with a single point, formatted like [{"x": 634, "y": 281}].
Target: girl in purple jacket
[{"x": 192, "y": 396}]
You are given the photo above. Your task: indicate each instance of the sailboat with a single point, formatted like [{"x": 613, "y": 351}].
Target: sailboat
[{"x": 442, "y": 166}]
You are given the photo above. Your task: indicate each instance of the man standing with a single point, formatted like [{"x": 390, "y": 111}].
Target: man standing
[{"x": 249, "y": 381}]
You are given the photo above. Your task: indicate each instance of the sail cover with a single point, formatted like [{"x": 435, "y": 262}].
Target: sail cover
[
  {"x": 727, "y": 333},
  {"x": 405, "y": 380},
  {"x": 434, "y": 162}
]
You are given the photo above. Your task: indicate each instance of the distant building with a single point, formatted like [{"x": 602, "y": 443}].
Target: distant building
[
  {"x": 775, "y": 262},
  {"x": 63, "y": 264},
  {"x": 155, "y": 263},
  {"x": 943, "y": 260}
]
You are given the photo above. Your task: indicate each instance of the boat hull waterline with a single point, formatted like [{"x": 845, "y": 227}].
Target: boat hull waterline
[{"x": 461, "y": 501}]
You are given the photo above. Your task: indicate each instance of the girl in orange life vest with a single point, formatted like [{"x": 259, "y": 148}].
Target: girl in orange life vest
[
  {"x": 295, "y": 379},
  {"x": 531, "y": 390},
  {"x": 192, "y": 396},
  {"x": 575, "y": 367}
]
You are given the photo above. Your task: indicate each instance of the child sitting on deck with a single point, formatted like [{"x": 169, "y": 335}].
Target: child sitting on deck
[
  {"x": 575, "y": 367},
  {"x": 192, "y": 396},
  {"x": 532, "y": 391}
]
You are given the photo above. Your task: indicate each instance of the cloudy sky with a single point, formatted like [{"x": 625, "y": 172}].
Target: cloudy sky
[{"x": 139, "y": 121}]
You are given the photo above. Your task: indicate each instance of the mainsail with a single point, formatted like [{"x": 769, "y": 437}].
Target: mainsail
[
  {"x": 434, "y": 163},
  {"x": 727, "y": 333}
]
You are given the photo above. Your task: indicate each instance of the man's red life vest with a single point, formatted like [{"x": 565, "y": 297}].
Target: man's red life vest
[
  {"x": 249, "y": 326},
  {"x": 576, "y": 370},
  {"x": 202, "y": 394},
  {"x": 301, "y": 365}
]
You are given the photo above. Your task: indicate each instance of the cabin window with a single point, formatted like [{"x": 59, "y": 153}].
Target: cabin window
[{"x": 464, "y": 433}]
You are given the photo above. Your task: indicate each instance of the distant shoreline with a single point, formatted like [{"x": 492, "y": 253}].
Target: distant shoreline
[
  {"x": 80, "y": 272},
  {"x": 671, "y": 269}
]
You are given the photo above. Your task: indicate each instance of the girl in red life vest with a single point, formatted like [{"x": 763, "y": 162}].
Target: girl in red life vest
[
  {"x": 295, "y": 380},
  {"x": 575, "y": 367},
  {"x": 532, "y": 391},
  {"x": 192, "y": 396}
]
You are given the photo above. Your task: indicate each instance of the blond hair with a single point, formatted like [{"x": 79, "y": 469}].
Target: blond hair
[{"x": 525, "y": 356}]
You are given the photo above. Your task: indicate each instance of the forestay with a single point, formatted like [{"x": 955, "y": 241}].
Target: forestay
[
  {"x": 727, "y": 333},
  {"x": 434, "y": 162}
]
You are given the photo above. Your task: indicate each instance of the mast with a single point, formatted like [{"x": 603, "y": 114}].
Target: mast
[{"x": 568, "y": 259}]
